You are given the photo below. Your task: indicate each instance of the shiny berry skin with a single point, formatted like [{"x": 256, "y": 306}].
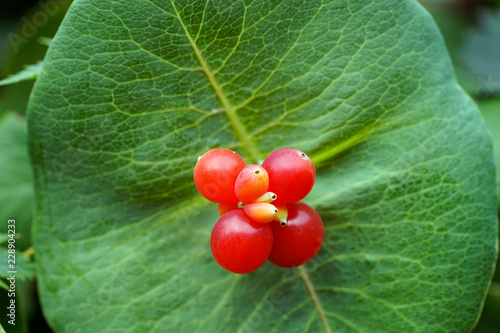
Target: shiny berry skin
[
  {"x": 252, "y": 182},
  {"x": 215, "y": 174},
  {"x": 291, "y": 174},
  {"x": 298, "y": 241},
  {"x": 239, "y": 244}
]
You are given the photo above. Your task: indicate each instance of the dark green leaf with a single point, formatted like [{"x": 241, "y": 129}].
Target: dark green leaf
[
  {"x": 3, "y": 285},
  {"x": 133, "y": 91},
  {"x": 3, "y": 238},
  {"x": 491, "y": 312}
]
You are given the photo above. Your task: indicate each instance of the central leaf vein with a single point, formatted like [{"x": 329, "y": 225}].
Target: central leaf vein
[
  {"x": 310, "y": 287},
  {"x": 229, "y": 110}
]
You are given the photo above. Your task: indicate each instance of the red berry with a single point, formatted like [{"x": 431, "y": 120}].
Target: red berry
[
  {"x": 239, "y": 244},
  {"x": 291, "y": 174},
  {"x": 252, "y": 182},
  {"x": 298, "y": 241},
  {"x": 215, "y": 174}
]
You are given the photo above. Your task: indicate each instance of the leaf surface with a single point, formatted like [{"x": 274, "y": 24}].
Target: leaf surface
[{"x": 133, "y": 92}]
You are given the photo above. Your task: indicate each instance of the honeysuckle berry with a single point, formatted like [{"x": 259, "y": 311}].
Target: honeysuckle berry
[
  {"x": 291, "y": 174},
  {"x": 260, "y": 216},
  {"x": 240, "y": 244},
  {"x": 252, "y": 182},
  {"x": 261, "y": 212},
  {"x": 215, "y": 174},
  {"x": 300, "y": 240}
]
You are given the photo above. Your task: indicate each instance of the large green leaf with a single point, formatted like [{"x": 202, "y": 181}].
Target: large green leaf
[{"x": 133, "y": 91}]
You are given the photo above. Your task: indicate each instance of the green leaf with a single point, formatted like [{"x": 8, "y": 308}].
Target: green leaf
[
  {"x": 133, "y": 92},
  {"x": 23, "y": 267},
  {"x": 3, "y": 238},
  {"x": 44, "y": 40},
  {"x": 30, "y": 72},
  {"x": 16, "y": 180},
  {"x": 491, "y": 113}
]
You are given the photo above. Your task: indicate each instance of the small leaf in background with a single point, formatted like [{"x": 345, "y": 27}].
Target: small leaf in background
[
  {"x": 44, "y": 40},
  {"x": 24, "y": 267},
  {"x": 3, "y": 238},
  {"x": 3, "y": 285},
  {"x": 30, "y": 72},
  {"x": 16, "y": 195}
]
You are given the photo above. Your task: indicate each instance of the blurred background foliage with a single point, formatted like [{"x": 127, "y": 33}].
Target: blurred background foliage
[{"x": 471, "y": 30}]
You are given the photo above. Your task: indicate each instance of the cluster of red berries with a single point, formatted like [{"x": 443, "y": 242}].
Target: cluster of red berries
[{"x": 261, "y": 217}]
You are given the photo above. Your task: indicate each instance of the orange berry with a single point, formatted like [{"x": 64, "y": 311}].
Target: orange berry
[
  {"x": 252, "y": 182},
  {"x": 261, "y": 211}
]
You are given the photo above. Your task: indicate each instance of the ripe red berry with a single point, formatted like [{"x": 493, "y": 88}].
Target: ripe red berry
[
  {"x": 215, "y": 174},
  {"x": 239, "y": 244},
  {"x": 298, "y": 241},
  {"x": 252, "y": 182},
  {"x": 291, "y": 174}
]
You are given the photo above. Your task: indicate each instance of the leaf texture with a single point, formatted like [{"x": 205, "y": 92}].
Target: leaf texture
[{"x": 132, "y": 92}]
